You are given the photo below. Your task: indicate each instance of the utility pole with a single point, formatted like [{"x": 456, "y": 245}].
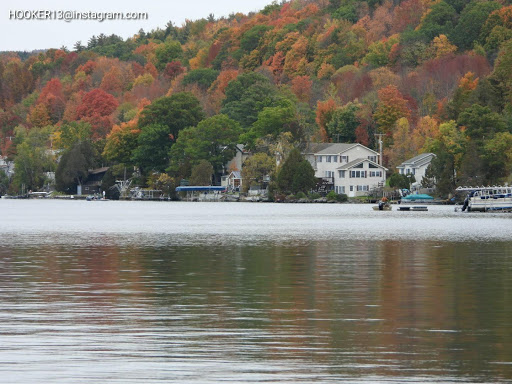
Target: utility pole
[{"x": 379, "y": 135}]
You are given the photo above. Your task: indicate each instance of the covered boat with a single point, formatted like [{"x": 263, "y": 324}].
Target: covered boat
[{"x": 414, "y": 199}]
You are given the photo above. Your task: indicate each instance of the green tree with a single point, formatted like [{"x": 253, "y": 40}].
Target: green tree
[
  {"x": 33, "y": 158},
  {"x": 74, "y": 166},
  {"x": 429, "y": 180},
  {"x": 497, "y": 156},
  {"x": 251, "y": 39},
  {"x": 167, "y": 52},
  {"x": 256, "y": 168},
  {"x": 399, "y": 181},
  {"x": 343, "y": 124},
  {"x": 214, "y": 140},
  {"x": 4, "y": 183},
  {"x": 501, "y": 77},
  {"x": 246, "y": 96},
  {"x": 449, "y": 150},
  {"x": 175, "y": 112},
  {"x": 160, "y": 123},
  {"x": 481, "y": 122},
  {"x": 201, "y": 173},
  {"x": 296, "y": 174},
  {"x": 470, "y": 23},
  {"x": 71, "y": 133},
  {"x": 203, "y": 77},
  {"x": 153, "y": 144},
  {"x": 271, "y": 121},
  {"x": 439, "y": 21},
  {"x": 379, "y": 53},
  {"x": 120, "y": 144}
]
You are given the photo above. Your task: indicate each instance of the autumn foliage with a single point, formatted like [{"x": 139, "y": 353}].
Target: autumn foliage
[{"x": 407, "y": 65}]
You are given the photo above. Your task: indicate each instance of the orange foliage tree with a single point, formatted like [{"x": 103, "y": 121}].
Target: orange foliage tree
[
  {"x": 324, "y": 112},
  {"x": 391, "y": 107}
]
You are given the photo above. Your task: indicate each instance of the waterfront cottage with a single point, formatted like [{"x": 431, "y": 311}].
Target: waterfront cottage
[
  {"x": 352, "y": 169},
  {"x": 94, "y": 181},
  {"x": 234, "y": 181},
  {"x": 416, "y": 166}
]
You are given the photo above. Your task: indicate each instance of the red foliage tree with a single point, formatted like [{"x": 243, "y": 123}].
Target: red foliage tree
[
  {"x": 408, "y": 13},
  {"x": 52, "y": 98},
  {"x": 173, "y": 69},
  {"x": 151, "y": 69},
  {"x": 137, "y": 69},
  {"x": 213, "y": 52},
  {"x": 301, "y": 86},
  {"x": 88, "y": 67},
  {"x": 96, "y": 108}
]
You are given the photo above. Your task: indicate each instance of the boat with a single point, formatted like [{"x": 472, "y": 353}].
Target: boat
[
  {"x": 415, "y": 199},
  {"x": 384, "y": 208},
  {"x": 383, "y": 205},
  {"x": 415, "y": 208},
  {"x": 485, "y": 199}
]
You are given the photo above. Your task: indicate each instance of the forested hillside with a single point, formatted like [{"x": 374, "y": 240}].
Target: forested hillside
[{"x": 432, "y": 76}]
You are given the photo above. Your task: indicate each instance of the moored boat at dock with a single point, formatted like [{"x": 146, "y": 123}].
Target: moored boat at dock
[{"x": 484, "y": 199}]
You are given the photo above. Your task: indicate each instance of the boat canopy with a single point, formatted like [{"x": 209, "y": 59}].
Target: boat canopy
[
  {"x": 200, "y": 188},
  {"x": 417, "y": 197}
]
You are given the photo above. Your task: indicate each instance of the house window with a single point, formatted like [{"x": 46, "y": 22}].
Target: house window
[
  {"x": 372, "y": 166},
  {"x": 341, "y": 174},
  {"x": 375, "y": 174},
  {"x": 362, "y": 188},
  {"x": 351, "y": 188},
  {"x": 319, "y": 159},
  {"x": 335, "y": 159},
  {"x": 344, "y": 159},
  {"x": 358, "y": 174},
  {"x": 329, "y": 174},
  {"x": 414, "y": 171},
  {"x": 359, "y": 165},
  {"x": 408, "y": 171},
  {"x": 328, "y": 159},
  {"x": 342, "y": 189},
  {"x": 372, "y": 158}
]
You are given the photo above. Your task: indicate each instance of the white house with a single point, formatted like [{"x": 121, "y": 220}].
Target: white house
[
  {"x": 353, "y": 168},
  {"x": 417, "y": 167},
  {"x": 233, "y": 168},
  {"x": 6, "y": 166},
  {"x": 236, "y": 163}
]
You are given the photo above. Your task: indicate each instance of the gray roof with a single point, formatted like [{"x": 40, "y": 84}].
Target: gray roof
[
  {"x": 359, "y": 161},
  {"x": 334, "y": 149},
  {"x": 236, "y": 174},
  {"x": 417, "y": 160},
  {"x": 316, "y": 147},
  {"x": 98, "y": 170}
]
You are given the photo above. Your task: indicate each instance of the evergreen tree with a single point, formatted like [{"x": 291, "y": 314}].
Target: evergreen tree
[{"x": 296, "y": 174}]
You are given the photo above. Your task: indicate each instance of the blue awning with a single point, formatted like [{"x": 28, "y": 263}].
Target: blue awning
[{"x": 200, "y": 188}]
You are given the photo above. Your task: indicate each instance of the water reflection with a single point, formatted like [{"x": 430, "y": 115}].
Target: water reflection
[{"x": 294, "y": 311}]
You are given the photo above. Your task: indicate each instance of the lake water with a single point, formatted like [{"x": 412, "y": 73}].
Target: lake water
[{"x": 148, "y": 292}]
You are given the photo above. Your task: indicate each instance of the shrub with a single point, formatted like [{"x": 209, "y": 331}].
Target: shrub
[
  {"x": 333, "y": 196},
  {"x": 300, "y": 195},
  {"x": 314, "y": 195}
]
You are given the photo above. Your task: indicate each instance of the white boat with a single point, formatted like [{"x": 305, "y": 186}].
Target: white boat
[{"x": 484, "y": 199}]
